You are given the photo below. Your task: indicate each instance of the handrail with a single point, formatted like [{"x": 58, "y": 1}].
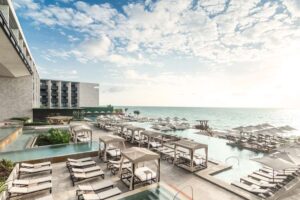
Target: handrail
[{"x": 189, "y": 186}]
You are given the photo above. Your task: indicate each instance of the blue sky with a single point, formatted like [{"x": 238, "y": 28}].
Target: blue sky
[{"x": 224, "y": 53}]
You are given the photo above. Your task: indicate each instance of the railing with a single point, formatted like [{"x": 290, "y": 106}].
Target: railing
[
  {"x": 180, "y": 191},
  {"x": 14, "y": 41}
]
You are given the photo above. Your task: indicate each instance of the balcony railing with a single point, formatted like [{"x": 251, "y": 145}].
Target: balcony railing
[{"x": 14, "y": 41}]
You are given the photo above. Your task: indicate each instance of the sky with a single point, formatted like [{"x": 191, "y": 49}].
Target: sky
[{"x": 202, "y": 53}]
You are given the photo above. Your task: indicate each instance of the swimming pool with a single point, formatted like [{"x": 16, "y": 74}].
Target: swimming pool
[
  {"x": 4, "y": 132},
  {"x": 218, "y": 150},
  {"x": 50, "y": 151}
]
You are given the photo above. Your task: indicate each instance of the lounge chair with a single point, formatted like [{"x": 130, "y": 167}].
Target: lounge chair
[
  {"x": 31, "y": 181},
  {"x": 155, "y": 144},
  {"x": 85, "y": 170},
  {"x": 260, "y": 183},
  {"x": 145, "y": 174},
  {"x": 101, "y": 195},
  {"x": 15, "y": 191},
  {"x": 116, "y": 167},
  {"x": 114, "y": 153},
  {"x": 253, "y": 189},
  {"x": 271, "y": 176},
  {"x": 48, "y": 197},
  {"x": 269, "y": 180},
  {"x": 110, "y": 163},
  {"x": 94, "y": 186},
  {"x": 278, "y": 173},
  {"x": 78, "y": 177},
  {"x": 80, "y": 159},
  {"x": 36, "y": 165},
  {"x": 24, "y": 170},
  {"x": 81, "y": 164}
]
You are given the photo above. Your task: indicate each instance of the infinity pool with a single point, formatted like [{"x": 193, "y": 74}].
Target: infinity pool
[
  {"x": 218, "y": 150},
  {"x": 50, "y": 151}
]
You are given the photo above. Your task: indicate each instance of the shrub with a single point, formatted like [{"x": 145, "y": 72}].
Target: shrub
[
  {"x": 23, "y": 119},
  {"x": 6, "y": 166},
  {"x": 37, "y": 123},
  {"x": 54, "y": 136}
]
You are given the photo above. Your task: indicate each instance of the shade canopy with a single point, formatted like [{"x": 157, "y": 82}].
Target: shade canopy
[
  {"x": 134, "y": 128},
  {"x": 152, "y": 134},
  {"x": 107, "y": 139},
  {"x": 191, "y": 145},
  {"x": 275, "y": 162},
  {"x": 137, "y": 154},
  {"x": 81, "y": 128}
]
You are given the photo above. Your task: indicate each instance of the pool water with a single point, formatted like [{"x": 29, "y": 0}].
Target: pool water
[
  {"x": 158, "y": 193},
  {"x": 21, "y": 141},
  {"x": 4, "y": 132},
  {"x": 218, "y": 150},
  {"x": 50, "y": 151}
]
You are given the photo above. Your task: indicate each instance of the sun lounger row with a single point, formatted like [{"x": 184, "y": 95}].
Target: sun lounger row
[
  {"x": 266, "y": 181},
  {"x": 19, "y": 187},
  {"x": 83, "y": 169}
]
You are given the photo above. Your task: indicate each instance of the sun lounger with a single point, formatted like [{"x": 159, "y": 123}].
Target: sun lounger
[
  {"x": 78, "y": 177},
  {"x": 102, "y": 195},
  {"x": 85, "y": 170},
  {"x": 260, "y": 183},
  {"x": 154, "y": 144},
  {"x": 271, "y": 176},
  {"x": 110, "y": 163},
  {"x": 114, "y": 152},
  {"x": 258, "y": 177},
  {"x": 48, "y": 197},
  {"x": 80, "y": 159},
  {"x": 94, "y": 186},
  {"x": 253, "y": 189},
  {"x": 18, "y": 191},
  {"x": 31, "y": 181},
  {"x": 116, "y": 167},
  {"x": 145, "y": 174},
  {"x": 278, "y": 173},
  {"x": 36, "y": 165},
  {"x": 82, "y": 164},
  {"x": 24, "y": 170}
]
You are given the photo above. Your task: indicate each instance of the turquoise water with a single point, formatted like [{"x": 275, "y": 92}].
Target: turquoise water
[
  {"x": 158, "y": 193},
  {"x": 4, "y": 132},
  {"x": 50, "y": 151},
  {"x": 21, "y": 141},
  {"x": 225, "y": 118},
  {"x": 219, "y": 151}
]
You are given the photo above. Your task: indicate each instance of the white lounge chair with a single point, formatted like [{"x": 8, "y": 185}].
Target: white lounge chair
[
  {"x": 145, "y": 174},
  {"x": 258, "y": 177},
  {"x": 82, "y": 164},
  {"x": 260, "y": 183},
  {"x": 24, "y": 170},
  {"x": 36, "y": 165},
  {"x": 102, "y": 195},
  {"x": 253, "y": 189},
  {"x": 78, "y": 177},
  {"x": 85, "y": 170},
  {"x": 31, "y": 181},
  {"x": 94, "y": 186},
  {"x": 15, "y": 191},
  {"x": 80, "y": 159},
  {"x": 270, "y": 176}
]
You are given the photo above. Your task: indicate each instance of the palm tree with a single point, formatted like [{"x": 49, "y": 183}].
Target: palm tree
[{"x": 137, "y": 112}]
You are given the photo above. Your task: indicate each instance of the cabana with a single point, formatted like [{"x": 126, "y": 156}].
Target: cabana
[
  {"x": 150, "y": 135},
  {"x": 108, "y": 140},
  {"x": 141, "y": 175},
  {"x": 190, "y": 161},
  {"x": 82, "y": 133},
  {"x": 134, "y": 130}
]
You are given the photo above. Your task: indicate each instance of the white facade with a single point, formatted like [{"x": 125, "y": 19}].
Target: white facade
[
  {"x": 66, "y": 94},
  {"x": 19, "y": 79}
]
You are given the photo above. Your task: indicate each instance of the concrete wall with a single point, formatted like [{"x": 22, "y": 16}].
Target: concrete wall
[
  {"x": 16, "y": 97},
  {"x": 88, "y": 94}
]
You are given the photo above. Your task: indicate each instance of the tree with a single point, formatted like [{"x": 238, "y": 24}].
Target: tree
[{"x": 137, "y": 112}]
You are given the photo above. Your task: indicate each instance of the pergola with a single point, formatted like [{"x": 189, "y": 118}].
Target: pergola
[
  {"x": 109, "y": 139},
  {"x": 150, "y": 135},
  {"x": 134, "y": 129},
  {"x": 191, "y": 146},
  {"x": 137, "y": 155},
  {"x": 81, "y": 130}
]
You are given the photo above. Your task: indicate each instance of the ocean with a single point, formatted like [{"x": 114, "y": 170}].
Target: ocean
[{"x": 225, "y": 118}]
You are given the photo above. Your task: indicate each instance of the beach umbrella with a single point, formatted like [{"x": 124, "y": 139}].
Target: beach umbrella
[
  {"x": 96, "y": 111},
  {"x": 183, "y": 119},
  {"x": 266, "y": 125},
  {"x": 175, "y": 118},
  {"x": 159, "y": 119}
]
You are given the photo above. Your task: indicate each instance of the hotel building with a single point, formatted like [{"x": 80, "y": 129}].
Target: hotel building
[{"x": 20, "y": 83}]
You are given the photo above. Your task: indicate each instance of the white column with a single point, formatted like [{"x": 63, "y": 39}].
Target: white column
[
  {"x": 69, "y": 94},
  {"x": 59, "y": 93}
]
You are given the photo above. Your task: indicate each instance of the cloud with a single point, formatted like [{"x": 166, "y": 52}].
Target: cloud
[{"x": 218, "y": 31}]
